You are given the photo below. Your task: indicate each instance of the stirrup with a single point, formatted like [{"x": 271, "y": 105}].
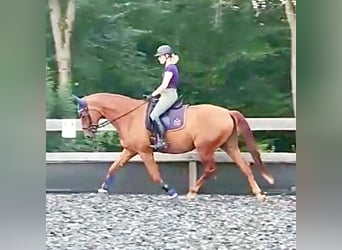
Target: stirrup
[{"x": 161, "y": 144}]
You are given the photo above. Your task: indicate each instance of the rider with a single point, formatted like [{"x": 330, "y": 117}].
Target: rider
[{"x": 167, "y": 89}]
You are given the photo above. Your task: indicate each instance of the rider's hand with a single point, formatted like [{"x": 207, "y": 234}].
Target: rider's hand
[{"x": 148, "y": 97}]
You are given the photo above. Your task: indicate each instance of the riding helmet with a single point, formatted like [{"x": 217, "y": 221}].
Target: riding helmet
[{"x": 164, "y": 50}]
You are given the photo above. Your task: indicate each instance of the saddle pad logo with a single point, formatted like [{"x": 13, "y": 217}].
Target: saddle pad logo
[{"x": 176, "y": 122}]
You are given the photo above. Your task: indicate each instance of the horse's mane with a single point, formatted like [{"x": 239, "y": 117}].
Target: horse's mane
[{"x": 112, "y": 95}]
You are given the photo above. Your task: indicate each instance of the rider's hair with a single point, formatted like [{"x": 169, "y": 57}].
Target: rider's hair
[{"x": 174, "y": 58}]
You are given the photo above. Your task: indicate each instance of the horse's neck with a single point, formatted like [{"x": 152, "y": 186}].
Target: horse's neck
[{"x": 120, "y": 110}]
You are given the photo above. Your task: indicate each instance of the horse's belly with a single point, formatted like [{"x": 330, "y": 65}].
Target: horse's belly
[{"x": 179, "y": 142}]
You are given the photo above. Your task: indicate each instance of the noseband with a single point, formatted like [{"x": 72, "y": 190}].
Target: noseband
[{"x": 92, "y": 127}]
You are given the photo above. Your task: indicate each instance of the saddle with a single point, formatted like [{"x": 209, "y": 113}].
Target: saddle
[{"x": 172, "y": 119}]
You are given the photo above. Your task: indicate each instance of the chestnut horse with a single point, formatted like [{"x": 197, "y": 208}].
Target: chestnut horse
[{"x": 203, "y": 127}]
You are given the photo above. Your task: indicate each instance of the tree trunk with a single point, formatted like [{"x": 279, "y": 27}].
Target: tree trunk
[
  {"x": 218, "y": 14},
  {"x": 291, "y": 18},
  {"x": 61, "y": 30}
]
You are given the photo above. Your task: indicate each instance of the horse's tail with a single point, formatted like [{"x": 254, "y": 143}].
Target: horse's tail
[{"x": 245, "y": 130}]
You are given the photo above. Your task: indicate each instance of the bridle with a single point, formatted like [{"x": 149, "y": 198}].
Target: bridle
[{"x": 94, "y": 127}]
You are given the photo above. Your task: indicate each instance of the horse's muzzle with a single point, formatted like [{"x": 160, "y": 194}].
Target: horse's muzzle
[{"x": 89, "y": 134}]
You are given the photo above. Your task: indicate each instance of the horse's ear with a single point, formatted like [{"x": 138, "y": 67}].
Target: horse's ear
[
  {"x": 81, "y": 104},
  {"x": 75, "y": 99}
]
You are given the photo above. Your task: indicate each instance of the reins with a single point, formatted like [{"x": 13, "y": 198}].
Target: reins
[{"x": 105, "y": 123}]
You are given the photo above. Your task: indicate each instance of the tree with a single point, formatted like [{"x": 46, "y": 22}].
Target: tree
[
  {"x": 61, "y": 25},
  {"x": 233, "y": 53},
  {"x": 291, "y": 18}
]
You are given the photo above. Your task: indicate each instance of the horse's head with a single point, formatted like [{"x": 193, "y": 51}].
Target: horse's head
[{"x": 89, "y": 117}]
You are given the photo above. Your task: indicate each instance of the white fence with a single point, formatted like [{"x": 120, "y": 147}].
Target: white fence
[{"x": 256, "y": 124}]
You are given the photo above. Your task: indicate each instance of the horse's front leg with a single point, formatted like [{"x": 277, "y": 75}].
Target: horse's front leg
[
  {"x": 125, "y": 156},
  {"x": 153, "y": 171}
]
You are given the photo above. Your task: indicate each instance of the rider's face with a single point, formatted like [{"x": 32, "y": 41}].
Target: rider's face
[{"x": 162, "y": 59}]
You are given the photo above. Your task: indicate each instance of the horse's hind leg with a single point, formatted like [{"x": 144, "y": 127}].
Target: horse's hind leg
[
  {"x": 232, "y": 149},
  {"x": 207, "y": 158},
  {"x": 125, "y": 156}
]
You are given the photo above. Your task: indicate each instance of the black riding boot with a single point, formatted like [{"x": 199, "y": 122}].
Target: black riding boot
[{"x": 160, "y": 135}]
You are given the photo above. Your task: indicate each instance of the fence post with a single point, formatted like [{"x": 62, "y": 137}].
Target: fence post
[{"x": 192, "y": 173}]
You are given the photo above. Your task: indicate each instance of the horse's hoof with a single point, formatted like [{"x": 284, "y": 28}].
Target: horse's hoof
[
  {"x": 174, "y": 195},
  {"x": 261, "y": 197},
  {"x": 270, "y": 180},
  {"x": 102, "y": 191},
  {"x": 191, "y": 196}
]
